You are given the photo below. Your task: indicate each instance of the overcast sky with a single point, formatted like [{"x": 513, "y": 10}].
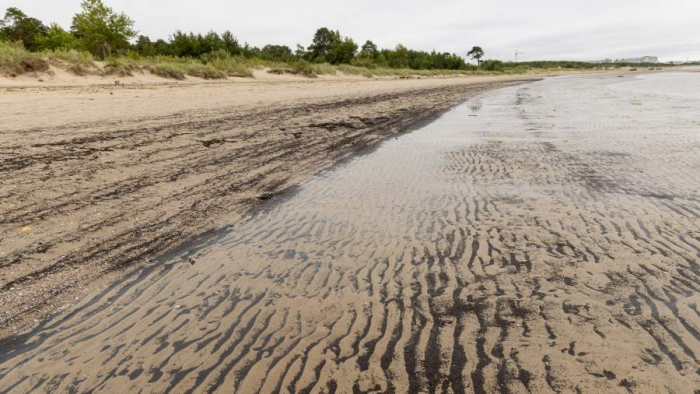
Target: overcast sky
[{"x": 542, "y": 29}]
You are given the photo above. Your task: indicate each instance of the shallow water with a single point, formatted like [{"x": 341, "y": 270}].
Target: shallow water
[
  {"x": 543, "y": 237},
  {"x": 680, "y": 84}
]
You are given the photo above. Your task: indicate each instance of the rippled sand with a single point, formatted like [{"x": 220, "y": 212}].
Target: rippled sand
[{"x": 539, "y": 238}]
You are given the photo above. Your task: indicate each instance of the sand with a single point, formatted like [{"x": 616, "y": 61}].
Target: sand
[
  {"x": 103, "y": 178},
  {"x": 536, "y": 238}
]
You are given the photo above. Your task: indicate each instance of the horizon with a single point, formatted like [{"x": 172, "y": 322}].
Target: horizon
[{"x": 540, "y": 33}]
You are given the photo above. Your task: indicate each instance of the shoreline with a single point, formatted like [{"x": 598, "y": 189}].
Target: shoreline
[{"x": 99, "y": 187}]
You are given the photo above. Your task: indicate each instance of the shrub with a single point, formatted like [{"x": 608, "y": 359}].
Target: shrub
[
  {"x": 492, "y": 65},
  {"x": 220, "y": 54},
  {"x": 277, "y": 53}
]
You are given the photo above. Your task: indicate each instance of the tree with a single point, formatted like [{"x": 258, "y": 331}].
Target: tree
[
  {"x": 342, "y": 52},
  {"x": 369, "y": 50},
  {"x": 101, "y": 30},
  {"x": 399, "y": 57},
  {"x": 476, "y": 53},
  {"x": 17, "y": 26},
  {"x": 144, "y": 46},
  {"x": 323, "y": 43},
  {"x": 300, "y": 53},
  {"x": 56, "y": 38},
  {"x": 277, "y": 53},
  {"x": 231, "y": 43},
  {"x": 183, "y": 45},
  {"x": 162, "y": 47}
]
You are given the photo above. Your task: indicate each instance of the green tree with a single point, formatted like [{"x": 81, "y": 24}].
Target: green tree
[
  {"x": 323, "y": 43},
  {"x": 162, "y": 47},
  {"x": 399, "y": 57},
  {"x": 17, "y": 26},
  {"x": 342, "y": 52},
  {"x": 300, "y": 53},
  {"x": 278, "y": 53},
  {"x": 476, "y": 53},
  {"x": 231, "y": 43},
  {"x": 145, "y": 47},
  {"x": 57, "y": 38},
  {"x": 369, "y": 50},
  {"x": 101, "y": 30}
]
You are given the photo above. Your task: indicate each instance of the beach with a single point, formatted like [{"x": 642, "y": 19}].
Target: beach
[
  {"x": 447, "y": 235},
  {"x": 100, "y": 178}
]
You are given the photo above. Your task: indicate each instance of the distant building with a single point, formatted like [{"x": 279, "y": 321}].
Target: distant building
[
  {"x": 643, "y": 59},
  {"x": 599, "y": 61}
]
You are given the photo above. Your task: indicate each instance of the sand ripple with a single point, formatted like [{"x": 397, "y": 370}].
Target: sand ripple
[{"x": 539, "y": 238}]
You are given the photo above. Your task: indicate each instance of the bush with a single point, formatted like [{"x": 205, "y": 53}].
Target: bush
[
  {"x": 492, "y": 65},
  {"x": 364, "y": 62},
  {"x": 220, "y": 54},
  {"x": 167, "y": 71}
]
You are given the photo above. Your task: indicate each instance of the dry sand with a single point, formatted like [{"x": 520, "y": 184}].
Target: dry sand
[{"x": 536, "y": 239}]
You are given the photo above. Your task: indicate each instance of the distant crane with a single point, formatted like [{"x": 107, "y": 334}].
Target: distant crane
[{"x": 518, "y": 53}]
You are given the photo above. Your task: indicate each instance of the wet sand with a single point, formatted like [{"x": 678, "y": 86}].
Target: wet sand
[
  {"x": 99, "y": 180},
  {"x": 543, "y": 237}
]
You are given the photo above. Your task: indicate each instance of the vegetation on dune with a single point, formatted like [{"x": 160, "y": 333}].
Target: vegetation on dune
[
  {"x": 167, "y": 71},
  {"x": 15, "y": 60},
  {"x": 98, "y": 33}
]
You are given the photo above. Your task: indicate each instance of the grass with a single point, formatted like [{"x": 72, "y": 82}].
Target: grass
[
  {"x": 305, "y": 69},
  {"x": 122, "y": 67},
  {"x": 231, "y": 67},
  {"x": 205, "y": 72},
  {"x": 15, "y": 60},
  {"x": 71, "y": 56},
  {"x": 167, "y": 71},
  {"x": 178, "y": 68}
]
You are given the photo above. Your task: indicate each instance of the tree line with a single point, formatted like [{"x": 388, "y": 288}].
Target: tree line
[{"x": 105, "y": 33}]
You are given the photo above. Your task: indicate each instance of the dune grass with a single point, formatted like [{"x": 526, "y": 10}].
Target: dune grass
[
  {"x": 16, "y": 60},
  {"x": 71, "y": 56},
  {"x": 178, "y": 68},
  {"x": 167, "y": 71}
]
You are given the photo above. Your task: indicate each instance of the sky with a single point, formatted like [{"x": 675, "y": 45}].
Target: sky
[{"x": 540, "y": 29}]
